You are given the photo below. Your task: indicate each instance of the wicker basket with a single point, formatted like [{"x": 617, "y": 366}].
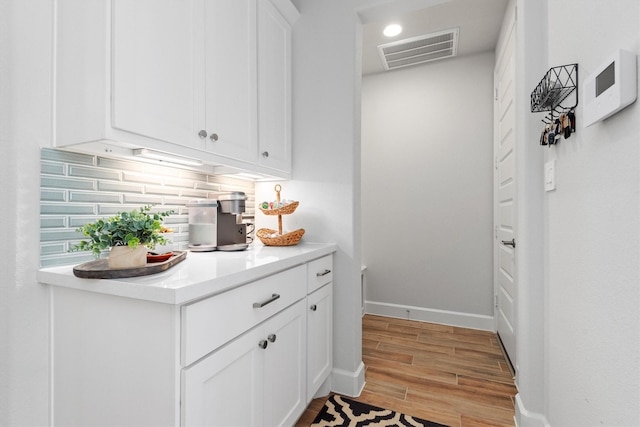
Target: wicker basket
[
  {"x": 288, "y": 239},
  {"x": 285, "y": 210}
]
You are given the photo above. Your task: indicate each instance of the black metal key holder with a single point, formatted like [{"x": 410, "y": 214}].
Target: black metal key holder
[{"x": 549, "y": 95}]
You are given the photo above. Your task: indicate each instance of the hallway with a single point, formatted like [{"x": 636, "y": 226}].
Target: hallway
[{"x": 450, "y": 375}]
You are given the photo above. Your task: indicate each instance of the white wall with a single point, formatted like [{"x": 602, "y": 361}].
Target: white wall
[
  {"x": 25, "y": 120},
  {"x": 588, "y": 298},
  {"x": 427, "y": 190},
  {"x": 592, "y": 234},
  {"x": 326, "y": 135}
]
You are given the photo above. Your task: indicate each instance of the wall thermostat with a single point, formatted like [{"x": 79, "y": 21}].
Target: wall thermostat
[{"x": 611, "y": 87}]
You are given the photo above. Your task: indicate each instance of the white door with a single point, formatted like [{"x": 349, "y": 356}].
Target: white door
[{"x": 505, "y": 196}]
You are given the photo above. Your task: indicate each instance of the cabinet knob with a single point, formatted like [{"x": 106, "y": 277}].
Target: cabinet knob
[
  {"x": 202, "y": 134},
  {"x": 213, "y": 137},
  {"x": 265, "y": 154},
  {"x": 263, "y": 344},
  {"x": 272, "y": 337},
  {"x": 313, "y": 307}
]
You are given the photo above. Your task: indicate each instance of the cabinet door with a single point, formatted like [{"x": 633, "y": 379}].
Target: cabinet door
[
  {"x": 285, "y": 366},
  {"x": 226, "y": 388},
  {"x": 274, "y": 88},
  {"x": 319, "y": 338},
  {"x": 155, "y": 68},
  {"x": 230, "y": 78},
  {"x": 80, "y": 66}
]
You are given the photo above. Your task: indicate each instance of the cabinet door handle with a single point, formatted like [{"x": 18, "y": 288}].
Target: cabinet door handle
[
  {"x": 213, "y": 137},
  {"x": 265, "y": 154},
  {"x": 313, "y": 307},
  {"x": 324, "y": 273},
  {"x": 202, "y": 134},
  {"x": 269, "y": 301},
  {"x": 263, "y": 344},
  {"x": 272, "y": 337}
]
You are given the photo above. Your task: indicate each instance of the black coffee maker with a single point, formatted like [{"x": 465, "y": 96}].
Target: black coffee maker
[{"x": 232, "y": 233}]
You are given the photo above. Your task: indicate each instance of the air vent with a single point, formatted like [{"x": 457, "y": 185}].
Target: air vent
[{"x": 418, "y": 50}]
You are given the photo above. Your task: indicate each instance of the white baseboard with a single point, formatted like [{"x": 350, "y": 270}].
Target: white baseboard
[
  {"x": 347, "y": 382},
  {"x": 323, "y": 391},
  {"x": 465, "y": 320},
  {"x": 524, "y": 418}
]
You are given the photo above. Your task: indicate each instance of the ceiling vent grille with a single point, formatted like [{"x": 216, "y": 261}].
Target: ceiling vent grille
[{"x": 418, "y": 50}]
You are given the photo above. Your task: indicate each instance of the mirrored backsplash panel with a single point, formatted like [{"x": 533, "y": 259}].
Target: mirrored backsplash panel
[{"x": 77, "y": 188}]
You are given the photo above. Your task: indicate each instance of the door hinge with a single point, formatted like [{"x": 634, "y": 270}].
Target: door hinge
[
  {"x": 496, "y": 94},
  {"x": 495, "y": 300},
  {"x": 495, "y": 162},
  {"x": 495, "y": 232}
]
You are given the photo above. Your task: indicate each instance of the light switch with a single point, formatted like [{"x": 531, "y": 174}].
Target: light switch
[{"x": 550, "y": 175}]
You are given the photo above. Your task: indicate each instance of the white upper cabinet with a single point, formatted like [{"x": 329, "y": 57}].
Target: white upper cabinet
[
  {"x": 196, "y": 78},
  {"x": 81, "y": 100},
  {"x": 155, "y": 69},
  {"x": 185, "y": 72},
  {"x": 230, "y": 78},
  {"x": 274, "y": 88}
]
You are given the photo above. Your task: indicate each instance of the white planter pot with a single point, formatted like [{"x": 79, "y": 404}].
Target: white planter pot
[
  {"x": 167, "y": 247},
  {"x": 125, "y": 257}
]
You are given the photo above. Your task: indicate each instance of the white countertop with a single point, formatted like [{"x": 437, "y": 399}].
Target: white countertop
[{"x": 200, "y": 274}]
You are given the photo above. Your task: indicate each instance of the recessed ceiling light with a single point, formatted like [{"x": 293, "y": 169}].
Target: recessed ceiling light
[{"x": 392, "y": 30}]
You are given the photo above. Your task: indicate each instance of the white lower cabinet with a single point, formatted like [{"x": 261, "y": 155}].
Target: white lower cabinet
[
  {"x": 319, "y": 338},
  {"x": 254, "y": 355},
  {"x": 257, "y": 379},
  {"x": 226, "y": 387}
]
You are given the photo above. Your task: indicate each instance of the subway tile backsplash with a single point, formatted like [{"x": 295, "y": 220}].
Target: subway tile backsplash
[{"x": 77, "y": 188}]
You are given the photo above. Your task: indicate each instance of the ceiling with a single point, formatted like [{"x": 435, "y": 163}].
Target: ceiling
[{"x": 478, "y": 21}]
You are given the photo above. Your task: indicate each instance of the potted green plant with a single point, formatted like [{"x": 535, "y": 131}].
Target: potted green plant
[{"x": 127, "y": 235}]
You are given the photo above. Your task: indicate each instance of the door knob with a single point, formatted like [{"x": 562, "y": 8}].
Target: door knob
[
  {"x": 313, "y": 307},
  {"x": 511, "y": 243},
  {"x": 202, "y": 134},
  {"x": 265, "y": 154},
  {"x": 213, "y": 137},
  {"x": 263, "y": 344},
  {"x": 272, "y": 337}
]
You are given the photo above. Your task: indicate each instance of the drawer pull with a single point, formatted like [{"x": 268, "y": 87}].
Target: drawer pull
[
  {"x": 263, "y": 344},
  {"x": 324, "y": 273},
  {"x": 269, "y": 301},
  {"x": 272, "y": 337}
]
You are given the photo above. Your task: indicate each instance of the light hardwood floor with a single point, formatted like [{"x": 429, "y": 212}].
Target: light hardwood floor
[{"x": 450, "y": 375}]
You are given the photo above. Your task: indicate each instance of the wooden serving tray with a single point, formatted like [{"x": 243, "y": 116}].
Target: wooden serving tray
[{"x": 99, "y": 268}]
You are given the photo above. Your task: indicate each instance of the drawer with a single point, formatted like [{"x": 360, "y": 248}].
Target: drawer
[
  {"x": 319, "y": 273},
  {"x": 208, "y": 324}
]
